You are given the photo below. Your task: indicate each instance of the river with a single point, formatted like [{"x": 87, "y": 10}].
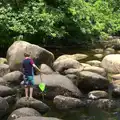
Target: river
[{"x": 91, "y": 113}]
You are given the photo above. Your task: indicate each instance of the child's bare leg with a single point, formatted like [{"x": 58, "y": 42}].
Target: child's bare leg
[
  {"x": 31, "y": 92},
  {"x": 26, "y": 91}
]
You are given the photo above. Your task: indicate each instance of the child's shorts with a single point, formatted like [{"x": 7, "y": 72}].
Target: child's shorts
[{"x": 29, "y": 80}]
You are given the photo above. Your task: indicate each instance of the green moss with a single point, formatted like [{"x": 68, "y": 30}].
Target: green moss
[
  {"x": 3, "y": 61},
  {"x": 109, "y": 77}
]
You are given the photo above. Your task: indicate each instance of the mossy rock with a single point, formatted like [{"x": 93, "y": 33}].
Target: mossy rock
[{"x": 3, "y": 61}]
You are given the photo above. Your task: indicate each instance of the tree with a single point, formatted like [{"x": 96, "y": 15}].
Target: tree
[{"x": 73, "y": 21}]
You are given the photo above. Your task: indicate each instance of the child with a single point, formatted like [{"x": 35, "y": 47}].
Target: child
[{"x": 28, "y": 65}]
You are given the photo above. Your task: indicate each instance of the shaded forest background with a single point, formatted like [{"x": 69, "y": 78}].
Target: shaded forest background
[{"x": 58, "y": 22}]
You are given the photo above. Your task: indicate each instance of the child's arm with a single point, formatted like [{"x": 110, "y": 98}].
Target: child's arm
[
  {"x": 33, "y": 64},
  {"x": 36, "y": 67}
]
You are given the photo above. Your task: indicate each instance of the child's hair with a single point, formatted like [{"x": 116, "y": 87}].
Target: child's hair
[{"x": 27, "y": 54}]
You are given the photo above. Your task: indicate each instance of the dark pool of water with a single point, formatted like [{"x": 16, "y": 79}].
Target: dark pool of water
[{"x": 91, "y": 113}]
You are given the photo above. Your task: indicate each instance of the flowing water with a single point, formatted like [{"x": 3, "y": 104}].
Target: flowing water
[{"x": 91, "y": 113}]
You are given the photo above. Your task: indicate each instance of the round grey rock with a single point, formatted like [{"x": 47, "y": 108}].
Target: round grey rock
[
  {"x": 57, "y": 85},
  {"x": 115, "y": 88},
  {"x": 6, "y": 91},
  {"x": 99, "y": 56},
  {"x": 96, "y": 63},
  {"x": 63, "y": 102},
  {"x": 98, "y": 51},
  {"x": 13, "y": 77},
  {"x": 64, "y": 64},
  {"x": 10, "y": 99},
  {"x": 2, "y": 82},
  {"x": 4, "y": 69},
  {"x": 95, "y": 69},
  {"x": 4, "y": 106},
  {"x": 111, "y": 63},
  {"x": 23, "y": 112},
  {"x": 45, "y": 69},
  {"x": 32, "y": 103},
  {"x": 97, "y": 94},
  {"x": 92, "y": 81},
  {"x": 77, "y": 57},
  {"x": 37, "y": 118},
  {"x": 109, "y": 51}
]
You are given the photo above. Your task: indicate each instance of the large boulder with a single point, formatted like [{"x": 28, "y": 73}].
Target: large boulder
[
  {"x": 23, "y": 112},
  {"x": 37, "y": 118},
  {"x": 111, "y": 63},
  {"x": 32, "y": 103},
  {"x": 15, "y": 54},
  {"x": 92, "y": 81},
  {"x": 4, "y": 69},
  {"x": 13, "y": 77},
  {"x": 62, "y": 102},
  {"x": 77, "y": 57},
  {"x": 4, "y": 106},
  {"x": 95, "y": 69},
  {"x": 6, "y": 91},
  {"x": 58, "y": 85},
  {"x": 46, "y": 69},
  {"x": 67, "y": 63}
]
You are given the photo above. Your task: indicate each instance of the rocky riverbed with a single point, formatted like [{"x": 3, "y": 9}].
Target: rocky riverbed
[{"x": 72, "y": 83}]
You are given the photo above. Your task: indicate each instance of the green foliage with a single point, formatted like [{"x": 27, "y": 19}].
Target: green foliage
[
  {"x": 32, "y": 18},
  {"x": 76, "y": 20}
]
